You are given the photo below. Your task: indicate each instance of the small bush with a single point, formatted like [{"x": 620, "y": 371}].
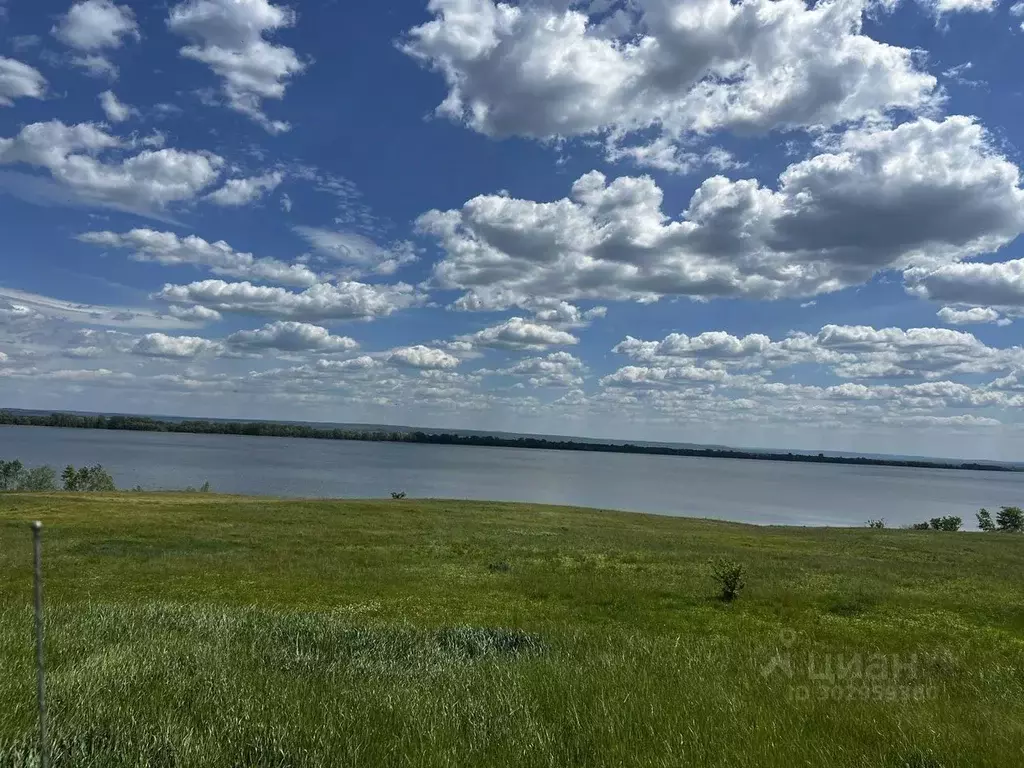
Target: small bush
[
  {"x": 985, "y": 520},
  {"x": 1010, "y": 519},
  {"x": 920, "y": 527},
  {"x": 876, "y": 523},
  {"x": 10, "y": 472},
  {"x": 93, "y": 479},
  {"x": 948, "y": 523},
  {"x": 37, "y": 479},
  {"x": 730, "y": 577},
  {"x": 397, "y": 495},
  {"x": 205, "y": 487}
]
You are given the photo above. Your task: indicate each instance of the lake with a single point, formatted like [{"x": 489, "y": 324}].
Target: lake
[{"x": 762, "y": 492}]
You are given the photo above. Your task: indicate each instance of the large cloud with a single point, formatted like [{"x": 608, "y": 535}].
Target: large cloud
[
  {"x": 169, "y": 249},
  {"x": 227, "y": 36},
  {"x": 342, "y": 301},
  {"x": 90, "y": 26},
  {"x": 290, "y": 336},
  {"x": 149, "y": 180},
  {"x": 923, "y": 192},
  {"x": 672, "y": 67},
  {"x": 18, "y": 80}
]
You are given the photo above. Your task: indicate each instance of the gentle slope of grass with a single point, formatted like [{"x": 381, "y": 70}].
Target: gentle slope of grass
[{"x": 199, "y": 630}]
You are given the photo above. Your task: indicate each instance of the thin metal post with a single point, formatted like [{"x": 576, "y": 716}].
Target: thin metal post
[{"x": 37, "y": 547}]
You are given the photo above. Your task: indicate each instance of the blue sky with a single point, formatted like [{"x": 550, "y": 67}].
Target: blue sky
[{"x": 759, "y": 223}]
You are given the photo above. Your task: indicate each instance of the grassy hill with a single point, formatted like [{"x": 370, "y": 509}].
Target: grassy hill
[{"x": 199, "y": 630}]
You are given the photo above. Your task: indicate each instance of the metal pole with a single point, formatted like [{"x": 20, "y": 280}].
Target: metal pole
[{"x": 37, "y": 547}]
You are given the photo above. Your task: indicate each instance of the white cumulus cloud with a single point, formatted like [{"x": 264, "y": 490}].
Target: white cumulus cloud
[
  {"x": 175, "y": 347},
  {"x": 847, "y": 351},
  {"x": 18, "y": 80},
  {"x": 972, "y": 316},
  {"x": 520, "y": 334},
  {"x": 290, "y": 336},
  {"x": 147, "y": 181},
  {"x": 677, "y": 68},
  {"x": 342, "y": 301},
  {"x": 881, "y": 198},
  {"x": 996, "y": 285},
  {"x": 426, "y": 358},
  {"x": 90, "y": 26},
  {"x": 228, "y": 36}
]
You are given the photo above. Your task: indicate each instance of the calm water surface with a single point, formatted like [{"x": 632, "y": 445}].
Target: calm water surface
[{"x": 764, "y": 492}]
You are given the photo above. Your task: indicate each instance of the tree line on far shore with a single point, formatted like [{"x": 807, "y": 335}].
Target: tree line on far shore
[{"x": 279, "y": 429}]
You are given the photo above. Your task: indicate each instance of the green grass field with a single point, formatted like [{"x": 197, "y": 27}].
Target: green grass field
[{"x": 199, "y": 630}]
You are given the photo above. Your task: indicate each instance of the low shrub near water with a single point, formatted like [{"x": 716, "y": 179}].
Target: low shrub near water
[
  {"x": 1010, "y": 519},
  {"x": 14, "y": 476},
  {"x": 985, "y": 520},
  {"x": 94, "y": 479}
]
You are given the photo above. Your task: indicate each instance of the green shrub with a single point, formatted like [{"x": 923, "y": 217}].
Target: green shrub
[
  {"x": 876, "y": 523},
  {"x": 948, "y": 523},
  {"x": 37, "y": 479},
  {"x": 920, "y": 526},
  {"x": 985, "y": 520},
  {"x": 730, "y": 577},
  {"x": 93, "y": 479},
  {"x": 1010, "y": 519},
  {"x": 10, "y": 472}
]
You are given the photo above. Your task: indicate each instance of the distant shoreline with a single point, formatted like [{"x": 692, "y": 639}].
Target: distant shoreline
[{"x": 279, "y": 429}]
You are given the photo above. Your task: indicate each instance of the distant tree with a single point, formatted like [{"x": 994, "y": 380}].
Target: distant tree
[
  {"x": 985, "y": 520},
  {"x": 205, "y": 487},
  {"x": 948, "y": 523},
  {"x": 920, "y": 526},
  {"x": 876, "y": 523},
  {"x": 10, "y": 472},
  {"x": 70, "y": 478},
  {"x": 38, "y": 479},
  {"x": 1010, "y": 519}
]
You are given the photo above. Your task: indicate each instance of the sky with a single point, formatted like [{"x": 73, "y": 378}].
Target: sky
[{"x": 756, "y": 223}]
